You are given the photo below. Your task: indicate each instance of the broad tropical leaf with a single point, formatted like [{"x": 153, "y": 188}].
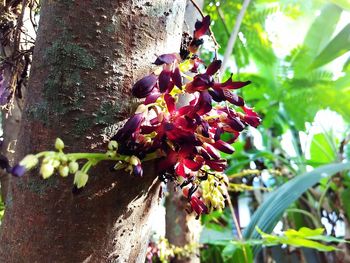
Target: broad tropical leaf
[{"x": 272, "y": 209}]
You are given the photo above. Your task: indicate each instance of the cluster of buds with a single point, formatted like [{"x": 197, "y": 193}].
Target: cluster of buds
[
  {"x": 187, "y": 137},
  {"x": 214, "y": 190},
  {"x": 68, "y": 163},
  {"x": 164, "y": 251}
]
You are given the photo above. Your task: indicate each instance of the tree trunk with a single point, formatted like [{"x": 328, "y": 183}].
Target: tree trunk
[{"x": 87, "y": 55}]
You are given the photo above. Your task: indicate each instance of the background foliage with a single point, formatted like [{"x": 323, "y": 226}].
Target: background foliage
[{"x": 296, "y": 53}]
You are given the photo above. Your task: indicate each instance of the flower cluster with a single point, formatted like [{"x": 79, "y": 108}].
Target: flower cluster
[
  {"x": 164, "y": 251},
  {"x": 186, "y": 134}
]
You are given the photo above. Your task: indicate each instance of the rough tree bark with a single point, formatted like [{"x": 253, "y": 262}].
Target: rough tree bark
[{"x": 87, "y": 55}]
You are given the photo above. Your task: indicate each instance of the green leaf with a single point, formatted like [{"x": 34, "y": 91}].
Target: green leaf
[
  {"x": 237, "y": 253},
  {"x": 304, "y": 237},
  {"x": 272, "y": 209},
  {"x": 315, "y": 41},
  {"x": 345, "y": 197},
  {"x": 345, "y": 4},
  {"x": 321, "y": 150},
  {"x": 338, "y": 46}
]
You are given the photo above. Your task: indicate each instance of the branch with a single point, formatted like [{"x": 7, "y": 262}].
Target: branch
[{"x": 234, "y": 34}]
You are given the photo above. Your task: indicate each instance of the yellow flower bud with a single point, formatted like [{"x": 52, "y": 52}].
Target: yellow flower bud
[
  {"x": 29, "y": 161},
  {"x": 59, "y": 144},
  {"x": 63, "y": 170},
  {"x": 46, "y": 170},
  {"x": 63, "y": 158},
  {"x": 55, "y": 163},
  {"x": 73, "y": 167},
  {"x": 134, "y": 160},
  {"x": 80, "y": 179},
  {"x": 113, "y": 145}
]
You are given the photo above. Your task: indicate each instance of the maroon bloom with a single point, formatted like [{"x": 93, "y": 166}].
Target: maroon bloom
[
  {"x": 201, "y": 27},
  {"x": 129, "y": 128},
  {"x": 198, "y": 205},
  {"x": 164, "y": 80},
  {"x": 176, "y": 77},
  {"x": 165, "y": 59},
  {"x": 224, "y": 147},
  {"x": 144, "y": 86},
  {"x": 213, "y": 67},
  {"x": 251, "y": 117}
]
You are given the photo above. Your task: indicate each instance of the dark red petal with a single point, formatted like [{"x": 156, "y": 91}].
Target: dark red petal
[
  {"x": 129, "y": 127},
  {"x": 168, "y": 162},
  {"x": 217, "y": 165},
  {"x": 144, "y": 86},
  {"x": 217, "y": 95},
  {"x": 180, "y": 136},
  {"x": 204, "y": 153},
  {"x": 201, "y": 27},
  {"x": 164, "y": 80},
  {"x": 235, "y": 124},
  {"x": 185, "y": 109},
  {"x": 170, "y": 102},
  {"x": 151, "y": 98},
  {"x": 229, "y": 84},
  {"x": 147, "y": 129},
  {"x": 171, "y": 85},
  {"x": 212, "y": 151},
  {"x": 194, "y": 166},
  {"x": 202, "y": 80},
  {"x": 252, "y": 118},
  {"x": 198, "y": 206},
  {"x": 176, "y": 77},
  {"x": 233, "y": 98},
  {"x": 213, "y": 67},
  {"x": 205, "y": 131},
  {"x": 180, "y": 170},
  {"x": 252, "y": 121},
  {"x": 196, "y": 62},
  {"x": 218, "y": 133},
  {"x": 204, "y": 104},
  {"x": 165, "y": 59},
  {"x": 224, "y": 147}
]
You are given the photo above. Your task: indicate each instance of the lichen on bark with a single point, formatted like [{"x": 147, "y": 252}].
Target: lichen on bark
[{"x": 66, "y": 61}]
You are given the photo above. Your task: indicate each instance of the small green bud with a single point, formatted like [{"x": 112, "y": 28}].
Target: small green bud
[
  {"x": 134, "y": 160},
  {"x": 119, "y": 165},
  {"x": 55, "y": 163},
  {"x": 59, "y": 144},
  {"x": 29, "y": 161},
  {"x": 113, "y": 145},
  {"x": 47, "y": 159},
  {"x": 46, "y": 170},
  {"x": 73, "y": 167},
  {"x": 80, "y": 179},
  {"x": 63, "y": 170},
  {"x": 111, "y": 154},
  {"x": 63, "y": 158}
]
